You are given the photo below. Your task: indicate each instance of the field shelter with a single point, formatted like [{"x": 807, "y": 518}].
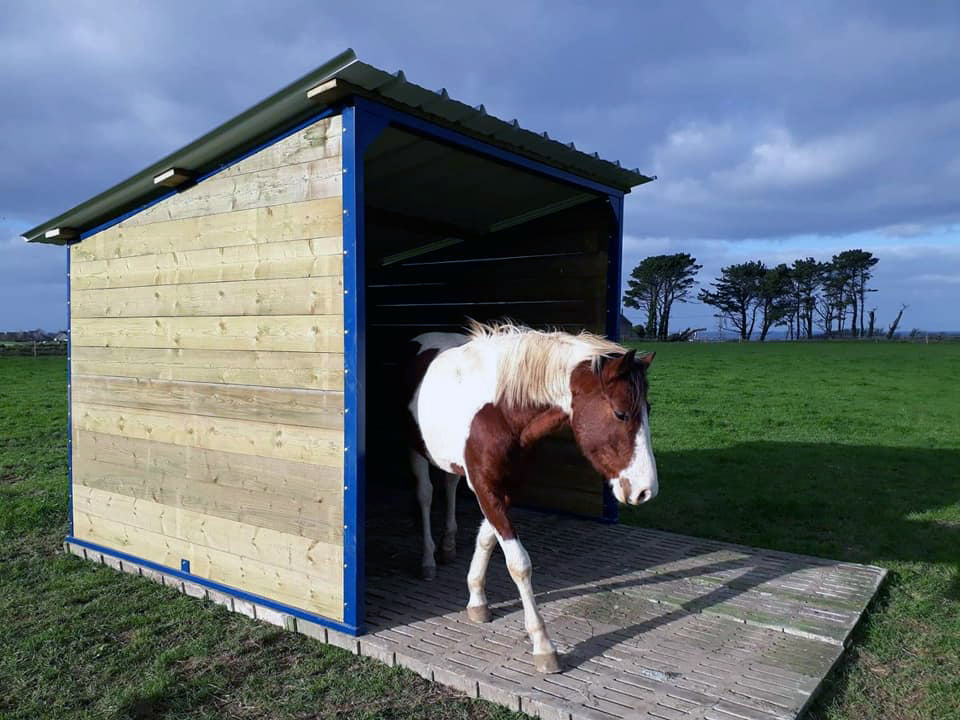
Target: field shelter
[{"x": 237, "y": 310}]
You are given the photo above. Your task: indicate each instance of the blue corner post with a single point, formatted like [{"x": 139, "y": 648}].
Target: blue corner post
[
  {"x": 69, "y": 403},
  {"x": 360, "y": 129},
  {"x": 614, "y": 266},
  {"x": 611, "y": 509}
]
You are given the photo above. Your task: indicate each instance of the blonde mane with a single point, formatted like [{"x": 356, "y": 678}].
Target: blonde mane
[{"x": 534, "y": 366}]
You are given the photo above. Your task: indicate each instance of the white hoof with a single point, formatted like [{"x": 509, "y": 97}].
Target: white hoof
[
  {"x": 478, "y": 613},
  {"x": 546, "y": 662}
]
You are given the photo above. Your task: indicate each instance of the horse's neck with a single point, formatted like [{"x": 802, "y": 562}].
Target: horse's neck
[{"x": 536, "y": 390}]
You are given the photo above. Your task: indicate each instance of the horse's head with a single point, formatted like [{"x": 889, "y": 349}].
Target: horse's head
[{"x": 611, "y": 423}]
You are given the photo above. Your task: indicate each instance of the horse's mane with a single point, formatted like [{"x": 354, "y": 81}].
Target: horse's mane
[{"x": 534, "y": 366}]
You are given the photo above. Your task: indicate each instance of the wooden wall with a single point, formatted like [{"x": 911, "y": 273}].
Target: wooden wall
[
  {"x": 549, "y": 272},
  {"x": 207, "y": 377}
]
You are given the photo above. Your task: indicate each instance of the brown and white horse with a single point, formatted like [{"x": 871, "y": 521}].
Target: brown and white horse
[{"x": 479, "y": 398}]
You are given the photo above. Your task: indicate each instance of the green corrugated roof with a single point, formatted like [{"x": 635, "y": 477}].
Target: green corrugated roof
[{"x": 290, "y": 106}]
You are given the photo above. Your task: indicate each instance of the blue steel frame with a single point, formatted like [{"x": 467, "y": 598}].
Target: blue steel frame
[
  {"x": 69, "y": 401},
  {"x": 611, "y": 508},
  {"x": 363, "y": 120}
]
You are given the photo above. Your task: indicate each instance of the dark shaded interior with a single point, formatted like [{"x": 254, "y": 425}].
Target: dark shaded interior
[{"x": 452, "y": 235}]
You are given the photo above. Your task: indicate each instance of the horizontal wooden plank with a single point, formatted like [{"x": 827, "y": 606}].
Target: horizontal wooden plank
[
  {"x": 221, "y": 193},
  {"x": 315, "y": 257},
  {"x": 169, "y": 463},
  {"x": 287, "y": 442},
  {"x": 582, "y": 228},
  {"x": 508, "y": 269},
  {"x": 310, "y": 333},
  {"x": 292, "y": 296},
  {"x": 321, "y": 218},
  {"x": 323, "y": 139},
  {"x": 321, "y": 560},
  {"x": 478, "y": 289},
  {"x": 534, "y": 314},
  {"x": 317, "y": 371},
  {"x": 286, "y": 586},
  {"x": 319, "y": 518},
  {"x": 312, "y": 408}
]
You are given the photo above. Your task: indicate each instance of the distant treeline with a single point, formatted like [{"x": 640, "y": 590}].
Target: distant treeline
[
  {"x": 32, "y": 335},
  {"x": 33, "y": 342},
  {"x": 803, "y": 297}
]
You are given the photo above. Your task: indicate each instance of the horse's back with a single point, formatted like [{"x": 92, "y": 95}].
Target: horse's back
[{"x": 457, "y": 378}]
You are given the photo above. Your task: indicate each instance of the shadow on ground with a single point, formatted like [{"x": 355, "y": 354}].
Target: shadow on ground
[{"x": 853, "y": 503}]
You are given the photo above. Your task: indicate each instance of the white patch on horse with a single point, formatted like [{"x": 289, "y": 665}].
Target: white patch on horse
[
  {"x": 521, "y": 570},
  {"x": 641, "y": 473}
]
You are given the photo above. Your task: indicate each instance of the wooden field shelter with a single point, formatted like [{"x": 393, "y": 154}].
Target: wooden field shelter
[{"x": 238, "y": 308}]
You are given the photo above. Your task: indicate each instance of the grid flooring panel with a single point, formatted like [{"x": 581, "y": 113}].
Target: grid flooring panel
[{"x": 648, "y": 624}]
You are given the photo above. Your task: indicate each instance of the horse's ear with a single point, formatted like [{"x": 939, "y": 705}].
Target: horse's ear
[
  {"x": 647, "y": 359},
  {"x": 616, "y": 365}
]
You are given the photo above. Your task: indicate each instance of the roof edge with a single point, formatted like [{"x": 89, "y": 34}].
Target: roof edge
[
  {"x": 253, "y": 122},
  {"x": 293, "y": 105}
]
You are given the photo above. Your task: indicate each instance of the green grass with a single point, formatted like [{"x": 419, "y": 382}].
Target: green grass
[
  {"x": 848, "y": 451},
  {"x": 841, "y": 450}
]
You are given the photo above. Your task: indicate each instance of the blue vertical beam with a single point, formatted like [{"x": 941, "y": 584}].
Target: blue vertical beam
[
  {"x": 614, "y": 266},
  {"x": 611, "y": 508},
  {"x": 69, "y": 402},
  {"x": 359, "y": 130}
]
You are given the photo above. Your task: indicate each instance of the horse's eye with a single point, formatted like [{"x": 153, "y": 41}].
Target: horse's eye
[{"x": 622, "y": 417}]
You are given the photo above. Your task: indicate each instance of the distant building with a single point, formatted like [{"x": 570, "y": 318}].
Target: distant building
[{"x": 626, "y": 329}]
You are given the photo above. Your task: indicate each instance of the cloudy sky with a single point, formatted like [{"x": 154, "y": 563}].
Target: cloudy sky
[{"x": 777, "y": 130}]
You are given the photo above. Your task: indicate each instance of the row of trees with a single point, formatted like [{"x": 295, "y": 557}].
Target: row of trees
[
  {"x": 37, "y": 335},
  {"x": 750, "y": 296}
]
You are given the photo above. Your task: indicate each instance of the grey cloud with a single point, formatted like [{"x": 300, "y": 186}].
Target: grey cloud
[{"x": 763, "y": 120}]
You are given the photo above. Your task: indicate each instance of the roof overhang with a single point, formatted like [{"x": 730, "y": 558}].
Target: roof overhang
[{"x": 340, "y": 77}]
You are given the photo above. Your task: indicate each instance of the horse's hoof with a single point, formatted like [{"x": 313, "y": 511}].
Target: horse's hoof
[
  {"x": 428, "y": 572},
  {"x": 546, "y": 662},
  {"x": 447, "y": 555},
  {"x": 478, "y": 613}
]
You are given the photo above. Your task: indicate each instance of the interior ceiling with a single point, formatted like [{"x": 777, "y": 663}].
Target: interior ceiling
[{"x": 414, "y": 176}]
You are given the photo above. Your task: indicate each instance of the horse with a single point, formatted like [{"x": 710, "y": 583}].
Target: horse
[{"x": 480, "y": 398}]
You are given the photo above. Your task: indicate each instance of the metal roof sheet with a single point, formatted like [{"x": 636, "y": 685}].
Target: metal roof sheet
[{"x": 290, "y": 106}]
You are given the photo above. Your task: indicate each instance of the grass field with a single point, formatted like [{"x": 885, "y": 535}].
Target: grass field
[{"x": 842, "y": 450}]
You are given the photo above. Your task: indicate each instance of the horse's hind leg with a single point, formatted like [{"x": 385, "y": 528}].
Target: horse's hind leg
[
  {"x": 421, "y": 471},
  {"x": 448, "y": 544}
]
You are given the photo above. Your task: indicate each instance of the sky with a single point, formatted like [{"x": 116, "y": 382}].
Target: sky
[{"x": 776, "y": 130}]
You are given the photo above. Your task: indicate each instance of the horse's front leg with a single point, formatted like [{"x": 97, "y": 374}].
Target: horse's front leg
[
  {"x": 518, "y": 563},
  {"x": 489, "y": 447}
]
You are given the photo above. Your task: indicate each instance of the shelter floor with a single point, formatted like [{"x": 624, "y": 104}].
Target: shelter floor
[{"x": 648, "y": 624}]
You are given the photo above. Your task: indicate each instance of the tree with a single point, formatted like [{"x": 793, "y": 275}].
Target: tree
[
  {"x": 852, "y": 268},
  {"x": 833, "y": 300},
  {"x": 655, "y": 284},
  {"x": 775, "y": 298},
  {"x": 873, "y": 320},
  {"x": 805, "y": 278},
  {"x": 736, "y": 294},
  {"x": 896, "y": 323}
]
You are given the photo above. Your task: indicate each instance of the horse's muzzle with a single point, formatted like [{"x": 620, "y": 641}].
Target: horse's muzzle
[{"x": 642, "y": 497}]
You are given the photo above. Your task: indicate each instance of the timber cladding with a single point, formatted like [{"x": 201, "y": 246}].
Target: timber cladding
[{"x": 207, "y": 377}]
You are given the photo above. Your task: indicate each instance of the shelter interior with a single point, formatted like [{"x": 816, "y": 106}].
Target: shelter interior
[{"x": 452, "y": 235}]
